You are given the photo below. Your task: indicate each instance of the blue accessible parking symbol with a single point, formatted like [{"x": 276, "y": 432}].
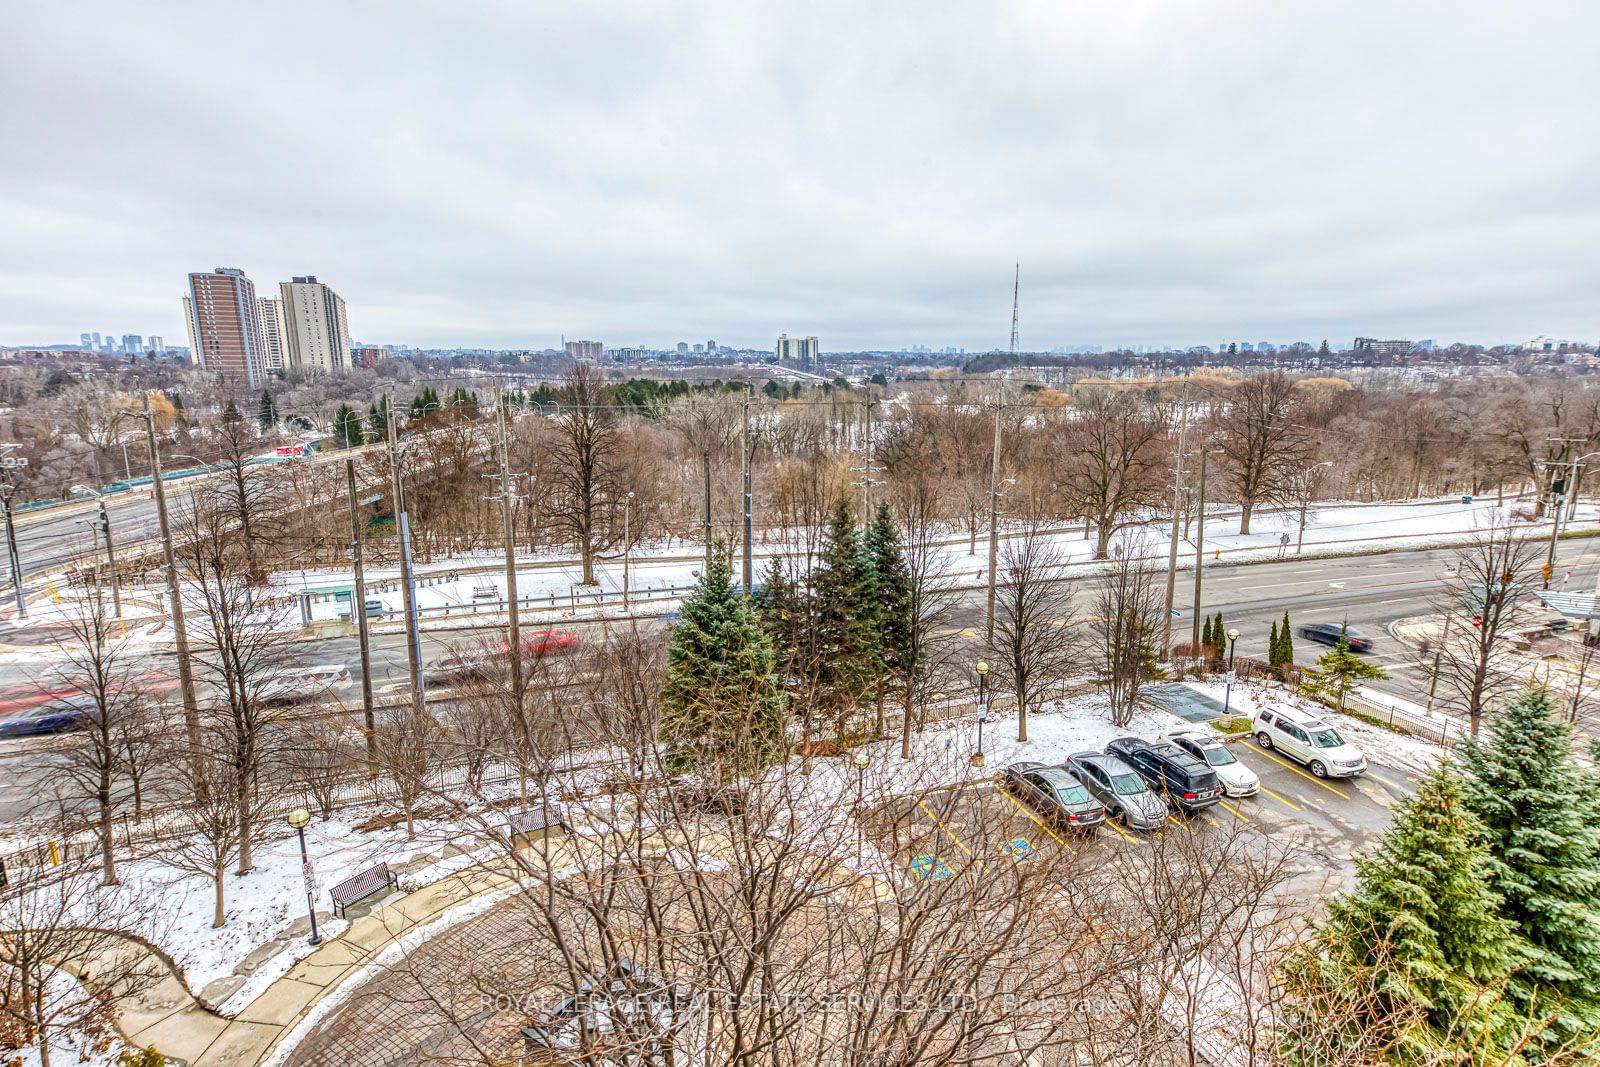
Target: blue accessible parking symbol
[
  {"x": 1020, "y": 849},
  {"x": 930, "y": 868}
]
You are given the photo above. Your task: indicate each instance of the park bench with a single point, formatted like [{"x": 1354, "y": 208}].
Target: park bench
[
  {"x": 485, "y": 592},
  {"x": 535, "y": 824},
  {"x": 358, "y": 887}
]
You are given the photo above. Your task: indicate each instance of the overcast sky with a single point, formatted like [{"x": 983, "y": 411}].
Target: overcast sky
[{"x": 503, "y": 174}]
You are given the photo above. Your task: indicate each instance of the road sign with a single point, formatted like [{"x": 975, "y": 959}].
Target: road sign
[
  {"x": 983, "y": 711},
  {"x": 1230, "y": 677},
  {"x": 310, "y": 878}
]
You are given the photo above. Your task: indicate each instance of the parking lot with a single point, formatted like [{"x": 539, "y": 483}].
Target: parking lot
[{"x": 940, "y": 833}]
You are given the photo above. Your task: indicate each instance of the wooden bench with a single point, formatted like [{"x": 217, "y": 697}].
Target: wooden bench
[
  {"x": 358, "y": 887},
  {"x": 485, "y": 592}
]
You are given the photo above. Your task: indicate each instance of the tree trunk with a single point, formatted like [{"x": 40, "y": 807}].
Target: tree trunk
[
  {"x": 586, "y": 549},
  {"x": 905, "y": 735},
  {"x": 881, "y": 727},
  {"x": 108, "y": 857},
  {"x": 1245, "y": 510},
  {"x": 1022, "y": 716},
  {"x": 217, "y": 916},
  {"x": 44, "y": 1030},
  {"x": 1102, "y": 541},
  {"x": 246, "y": 830}
]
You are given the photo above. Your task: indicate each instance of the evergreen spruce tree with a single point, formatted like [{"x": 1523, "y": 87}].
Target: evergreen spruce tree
[
  {"x": 267, "y": 411},
  {"x": 1286, "y": 639},
  {"x": 1205, "y": 633},
  {"x": 898, "y": 659},
  {"x": 1422, "y": 929},
  {"x": 782, "y": 612},
  {"x": 378, "y": 418},
  {"x": 842, "y": 621},
  {"x": 723, "y": 712},
  {"x": 230, "y": 414},
  {"x": 1538, "y": 808},
  {"x": 1339, "y": 669},
  {"x": 347, "y": 426},
  {"x": 1272, "y": 646}
]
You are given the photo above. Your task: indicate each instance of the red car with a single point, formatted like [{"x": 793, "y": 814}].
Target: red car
[{"x": 540, "y": 643}]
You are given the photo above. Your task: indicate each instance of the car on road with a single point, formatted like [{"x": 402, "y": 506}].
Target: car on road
[
  {"x": 1119, "y": 787},
  {"x": 1327, "y": 633},
  {"x": 538, "y": 643},
  {"x": 1053, "y": 793},
  {"x": 1237, "y": 780},
  {"x": 54, "y": 716},
  {"x": 1188, "y": 784},
  {"x": 299, "y": 684},
  {"x": 1305, "y": 738}
]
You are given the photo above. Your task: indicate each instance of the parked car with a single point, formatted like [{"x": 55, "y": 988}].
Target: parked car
[
  {"x": 1187, "y": 783},
  {"x": 1119, "y": 787},
  {"x": 299, "y": 684},
  {"x": 538, "y": 643},
  {"x": 1237, "y": 779},
  {"x": 54, "y": 716},
  {"x": 1054, "y": 794},
  {"x": 1303, "y": 737},
  {"x": 1327, "y": 633}
]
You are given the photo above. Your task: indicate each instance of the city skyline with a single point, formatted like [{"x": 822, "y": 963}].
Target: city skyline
[{"x": 1153, "y": 169}]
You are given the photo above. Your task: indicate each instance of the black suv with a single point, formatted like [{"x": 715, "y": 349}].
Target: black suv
[
  {"x": 1185, "y": 781},
  {"x": 1326, "y": 633}
]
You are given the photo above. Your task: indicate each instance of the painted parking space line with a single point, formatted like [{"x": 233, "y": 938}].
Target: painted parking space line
[
  {"x": 1236, "y": 812},
  {"x": 1112, "y": 823},
  {"x": 1297, "y": 770},
  {"x": 1038, "y": 821},
  {"x": 951, "y": 834},
  {"x": 1280, "y": 798}
]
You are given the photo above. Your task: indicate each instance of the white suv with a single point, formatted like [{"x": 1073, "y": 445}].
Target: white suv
[{"x": 1306, "y": 738}]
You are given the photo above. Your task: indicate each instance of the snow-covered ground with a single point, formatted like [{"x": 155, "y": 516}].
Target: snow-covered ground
[{"x": 554, "y": 577}]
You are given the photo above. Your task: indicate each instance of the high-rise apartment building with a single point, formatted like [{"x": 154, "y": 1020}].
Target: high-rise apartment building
[
  {"x": 683, "y": 348},
  {"x": 801, "y": 351},
  {"x": 367, "y": 356},
  {"x": 83, "y": 340},
  {"x": 156, "y": 343},
  {"x": 585, "y": 351},
  {"x": 314, "y": 324},
  {"x": 274, "y": 332},
  {"x": 132, "y": 344},
  {"x": 225, "y": 325}
]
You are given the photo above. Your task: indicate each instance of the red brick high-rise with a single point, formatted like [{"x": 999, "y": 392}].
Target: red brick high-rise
[{"x": 225, "y": 325}]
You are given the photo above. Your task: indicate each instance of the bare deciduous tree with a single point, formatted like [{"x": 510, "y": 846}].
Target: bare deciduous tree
[
  {"x": 585, "y": 469},
  {"x": 1033, "y": 621},
  {"x": 1128, "y": 609},
  {"x": 1264, "y": 447}
]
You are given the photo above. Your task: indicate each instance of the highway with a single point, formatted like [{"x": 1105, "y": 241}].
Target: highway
[{"x": 1370, "y": 591}]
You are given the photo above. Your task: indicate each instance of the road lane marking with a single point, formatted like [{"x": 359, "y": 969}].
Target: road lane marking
[
  {"x": 1020, "y": 807},
  {"x": 1112, "y": 823},
  {"x": 1237, "y": 813},
  {"x": 1297, "y": 770}
]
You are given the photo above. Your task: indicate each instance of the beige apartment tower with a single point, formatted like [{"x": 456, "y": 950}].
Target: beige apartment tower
[
  {"x": 316, "y": 334},
  {"x": 273, "y": 332}
]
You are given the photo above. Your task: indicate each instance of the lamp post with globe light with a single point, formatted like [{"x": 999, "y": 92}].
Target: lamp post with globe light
[
  {"x": 862, "y": 760},
  {"x": 300, "y": 818},
  {"x": 982, "y": 667},
  {"x": 1227, "y": 692}
]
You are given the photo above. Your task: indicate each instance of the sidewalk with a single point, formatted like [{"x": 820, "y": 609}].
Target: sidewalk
[{"x": 168, "y": 1017}]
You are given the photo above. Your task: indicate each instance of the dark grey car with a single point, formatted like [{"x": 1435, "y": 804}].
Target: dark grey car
[
  {"x": 1053, "y": 793},
  {"x": 1120, "y": 788}
]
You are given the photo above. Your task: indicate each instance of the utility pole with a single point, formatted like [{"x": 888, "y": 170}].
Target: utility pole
[
  {"x": 111, "y": 558},
  {"x": 994, "y": 513},
  {"x": 866, "y": 472},
  {"x": 627, "y": 545},
  {"x": 1557, "y": 501},
  {"x": 419, "y": 705},
  {"x": 191, "y": 707},
  {"x": 1199, "y": 548},
  {"x": 748, "y": 449},
  {"x": 6, "y": 489},
  {"x": 358, "y": 608},
  {"x": 507, "y": 500},
  {"x": 1177, "y": 509},
  {"x": 705, "y": 459}
]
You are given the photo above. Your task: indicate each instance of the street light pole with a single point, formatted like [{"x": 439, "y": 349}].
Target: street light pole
[
  {"x": 508, "y": 531},
  {"x": 994, "y": 518},
  {"x": 11, "y": 552},
  {"x": 1199, "y": 550},
  {"x": 111, "y": 559},
  {"x": 627, "y": 545},
  {"x": 1172, "y": 548},
  {"x": 299, "y": 818},
  {"x": 191, "y": 707},
  {"x": 358, "y": 608},
  {"x": 1227, "y": 692},
  {"x": 403, "y": 528},
  {"x": 978, "y": 758}
]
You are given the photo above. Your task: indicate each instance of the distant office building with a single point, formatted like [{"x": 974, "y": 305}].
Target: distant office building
[
  {"x": 1374, "y": 347},
  {"x": 132, "y": 344},
  {"x": 1247, "y": 347},
  {"x": 1546, "y": 344},
  {"x": 84, "y": 340},
  {"x": 699, "y": 349},
  {"x": 711, "y": 347},
  {"x": 683, "y": 348},
  {"x": 155, "y": 343},
  {"x": 801, "y": 351},
  {"x": 96, "y": 337},
  {"x": 631, "y": 354},
  {"x": 225, "y": 325},
  {"x": 274, "y": 332},
  {"x": 585, "y": 351},
  {"x": 314, "y": 324},
  {"x": 367, "y": 356}
]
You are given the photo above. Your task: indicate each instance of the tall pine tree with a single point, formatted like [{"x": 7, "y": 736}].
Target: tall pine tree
[
  {"x": 1286, "y": 641},
  {"x": 893, "y": 607},
  {"x": 1272, "y": 645},
  {"x": 1537, "y": 807},
  {"x": 846, "y": 652},
  {"x": 347, "y": 426},
  {"x": 1421, "y": 931},
  {"x": 267, "y": 411},
  {"x": 1340, "y": 669},
  {"x": 723, "y": 713},
  {"x": 782, "y": 611}
]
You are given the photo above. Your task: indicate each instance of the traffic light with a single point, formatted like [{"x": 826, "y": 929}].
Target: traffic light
[{"x": 1546, "y": 571}]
